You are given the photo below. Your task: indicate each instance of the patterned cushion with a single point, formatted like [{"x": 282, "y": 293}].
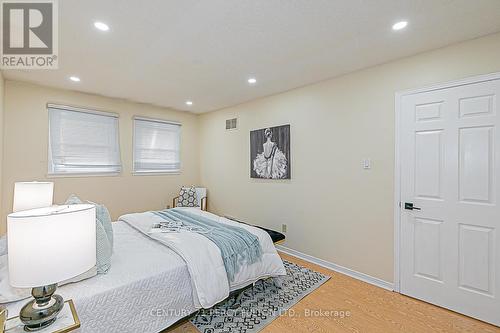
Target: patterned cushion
[
  {"x": 187, "y": 197},
  {"x": 3, "y": 245},
  {"x": 104, "y": 235}
]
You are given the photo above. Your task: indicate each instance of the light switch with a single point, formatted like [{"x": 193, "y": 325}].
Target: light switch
[{"x": 367, "y": 163}]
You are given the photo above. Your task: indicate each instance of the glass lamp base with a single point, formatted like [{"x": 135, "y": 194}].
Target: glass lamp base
[
  {"x": 43, "y": 310},
  {"x": 37, "y": 327}
]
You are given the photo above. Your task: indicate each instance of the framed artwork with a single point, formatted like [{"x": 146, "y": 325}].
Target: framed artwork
[{"x": 270, "y": 153}]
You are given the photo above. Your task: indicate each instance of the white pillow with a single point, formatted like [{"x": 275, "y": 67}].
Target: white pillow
[
  {"x": 3, "y": 245},
  {"x": 187, "y": 197},
  {"x": 7, "y": 292},
  {"x": 84, "y": 276}
]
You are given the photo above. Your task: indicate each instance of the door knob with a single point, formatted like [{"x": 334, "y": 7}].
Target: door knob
[{"x": 410, "y": 206}]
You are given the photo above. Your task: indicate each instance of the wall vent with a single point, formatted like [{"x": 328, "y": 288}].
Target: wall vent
[{"x": 231, "y": 124}]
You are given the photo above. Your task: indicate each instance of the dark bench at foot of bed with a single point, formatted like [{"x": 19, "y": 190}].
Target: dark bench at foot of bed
[{"x": 275, "y": 235}]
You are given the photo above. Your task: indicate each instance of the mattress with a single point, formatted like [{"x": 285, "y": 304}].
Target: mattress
[{"x": 147, "y": 289}]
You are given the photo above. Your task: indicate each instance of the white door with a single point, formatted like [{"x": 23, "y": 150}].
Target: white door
[{"x": 450, "y": 169}]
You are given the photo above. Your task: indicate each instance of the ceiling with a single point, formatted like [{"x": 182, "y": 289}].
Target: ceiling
[{"x": 167, "y": 52}]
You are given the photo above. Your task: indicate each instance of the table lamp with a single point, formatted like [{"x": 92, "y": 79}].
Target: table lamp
[
  {"x": 46, "y": 246},
  {"x": 29, "y": 195}
]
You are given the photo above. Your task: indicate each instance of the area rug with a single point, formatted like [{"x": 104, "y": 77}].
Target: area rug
[{"x": 250, "y": 310}]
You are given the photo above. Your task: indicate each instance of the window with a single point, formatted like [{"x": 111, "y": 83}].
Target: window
[
  {"x": 82, "y": 141},
  {"x": 156, "y": 146}
]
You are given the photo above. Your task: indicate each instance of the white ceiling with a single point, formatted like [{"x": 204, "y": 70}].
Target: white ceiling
[{"x": 167, "y": 52}]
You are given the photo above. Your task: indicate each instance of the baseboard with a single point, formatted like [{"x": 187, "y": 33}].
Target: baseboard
[{"x": 337, "y": 268}]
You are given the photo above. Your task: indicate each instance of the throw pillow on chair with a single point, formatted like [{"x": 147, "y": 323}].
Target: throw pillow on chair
[{"x": 187, "y": 197}]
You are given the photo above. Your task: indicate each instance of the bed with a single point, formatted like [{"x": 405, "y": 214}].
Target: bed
[{"x": 149, "y": 286}]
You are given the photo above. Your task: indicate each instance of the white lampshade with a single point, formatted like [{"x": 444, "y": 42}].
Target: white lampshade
[
  {"x": 30, "y": 195},
  {"x": 50, "y": 245}
]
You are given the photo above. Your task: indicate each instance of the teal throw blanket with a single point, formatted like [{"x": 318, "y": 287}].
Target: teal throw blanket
[{"x": 237, "y": 245}]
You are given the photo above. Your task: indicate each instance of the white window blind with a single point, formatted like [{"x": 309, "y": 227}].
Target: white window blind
[
  {"x": 82, "y": 141},
  {"x": 156, "y": 146}
]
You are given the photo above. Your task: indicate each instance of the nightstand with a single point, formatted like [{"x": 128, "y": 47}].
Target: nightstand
[{"x": 67, "y": 321}]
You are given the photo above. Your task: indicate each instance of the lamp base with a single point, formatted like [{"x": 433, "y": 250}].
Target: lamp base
[{"x": 43, "y": 310}]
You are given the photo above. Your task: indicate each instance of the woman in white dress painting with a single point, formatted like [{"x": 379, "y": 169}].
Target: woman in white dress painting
[{"x": 271, "y": 163}]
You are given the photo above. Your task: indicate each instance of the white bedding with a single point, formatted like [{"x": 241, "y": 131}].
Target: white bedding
[
  {"x": 146, "y": 290},
  {"x": 148, "y": 287},
  {"x": 204, "y": 261}
]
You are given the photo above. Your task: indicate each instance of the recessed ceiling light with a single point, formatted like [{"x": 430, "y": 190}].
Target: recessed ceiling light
[
  {"x": 252, "y": 80},
  {"x": 101, "y": 26},
  {"x": 189, "y": 103},
  {"x": 399, "y": 25},
  {"x": 74, "y": 78}
]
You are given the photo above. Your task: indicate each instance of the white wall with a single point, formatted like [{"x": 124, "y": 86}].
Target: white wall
[
  {"x": 334, "y": 209},
  {"x": 25, "y": 151}
]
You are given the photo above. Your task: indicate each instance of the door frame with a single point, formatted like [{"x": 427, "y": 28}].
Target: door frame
[{"x": 397, "y": 168}]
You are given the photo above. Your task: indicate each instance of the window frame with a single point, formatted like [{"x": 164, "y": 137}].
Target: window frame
[
  {"x": 155, "y": 172},
  {"x": 57, "y": 174}
]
